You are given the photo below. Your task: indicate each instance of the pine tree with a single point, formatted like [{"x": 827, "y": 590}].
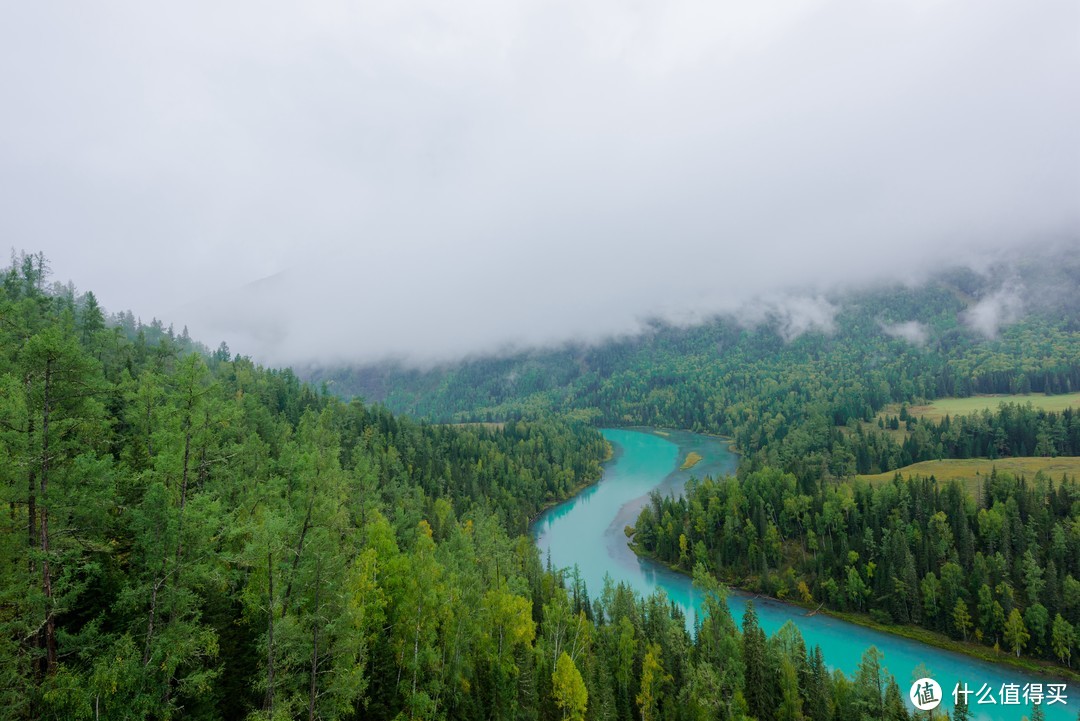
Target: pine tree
[
  {"x": 56, "y": 433},
  {"x": 756, "y": 683},
  {"x": 791, "y": 706},
  {"x": 895, "y": 710},
  {"x": 960, "y": 710},
  {"x": 870, "y": 684}
]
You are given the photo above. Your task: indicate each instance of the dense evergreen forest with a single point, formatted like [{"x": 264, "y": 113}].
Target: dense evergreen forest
[
  {"x": 806, "y": 413},
  {"x": 190, "y": 535},
  {"x": 1002, "y": 569}
]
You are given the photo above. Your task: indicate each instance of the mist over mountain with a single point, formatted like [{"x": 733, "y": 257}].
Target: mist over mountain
[
  {"x": 426, "y": 182},
  {"x": 300, "y": 318},
  {"x": 1009, "y": 305}
]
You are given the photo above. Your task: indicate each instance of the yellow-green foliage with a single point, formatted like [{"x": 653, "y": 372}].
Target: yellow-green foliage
[
  {"x": 692, "y": 459},
  {"x": 568, "y": 688}
]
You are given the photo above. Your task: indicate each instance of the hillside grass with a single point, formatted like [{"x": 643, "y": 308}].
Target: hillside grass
[
  {"x": 942, "y": 407},
  {"x": 952, "y": 407},
  {"x": 972, "y": 471},
  {"x": 963, "y": 406}
]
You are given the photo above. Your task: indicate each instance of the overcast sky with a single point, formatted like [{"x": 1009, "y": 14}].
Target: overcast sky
[{"x": 351, "y": 180}]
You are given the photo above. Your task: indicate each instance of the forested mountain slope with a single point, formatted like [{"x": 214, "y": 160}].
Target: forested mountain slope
[
  {"x": 801, "y": 402},
  {"x": 806, "y": 412},
  {"x": 189, "y": 535}
]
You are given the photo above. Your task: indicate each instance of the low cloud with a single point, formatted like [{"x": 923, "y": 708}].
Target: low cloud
[
  {"x": 792, "y": 315},
  {"x": 912, "y": 331},
  {"x": 996, "y": 310},
  {"x": 424, "y": 181}
]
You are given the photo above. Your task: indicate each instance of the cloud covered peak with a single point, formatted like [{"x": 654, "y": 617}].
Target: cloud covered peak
[{"x": 433, "y": 180}]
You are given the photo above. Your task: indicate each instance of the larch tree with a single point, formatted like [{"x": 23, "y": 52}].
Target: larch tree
[
  {"x": 1016, "y": 633},
  {"x": 568, "y": 689}
]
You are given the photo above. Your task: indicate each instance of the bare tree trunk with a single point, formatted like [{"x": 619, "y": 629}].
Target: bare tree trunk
[
  {"x": 416, "y": 644},
  {"x": 299, "y": 549},
  {"x": 183, "y": 487},
  {"x": 268, "y": 703},
  {"x": 31, "y": 507},
  {"x": 46, "y": 572},
  {"x": 33, "y": 539},
  {"x": 153, "y": 612},
  {"x": 183, "y": 499},
  {"x": 314, "y": 645},
  {"x": 149, "y": 442},
  {"x": 158, "y": 584}
]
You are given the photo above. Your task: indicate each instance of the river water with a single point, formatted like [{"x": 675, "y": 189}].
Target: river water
[{"x": 588, "y": 530}]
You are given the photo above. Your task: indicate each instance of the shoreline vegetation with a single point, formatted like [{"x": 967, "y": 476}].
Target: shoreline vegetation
[
  {"x": 913, "y": 633},
  {"x": 548, "y": 505},
  {"x": 908, "y": 631},
  {"x": 692, "y": 459}
]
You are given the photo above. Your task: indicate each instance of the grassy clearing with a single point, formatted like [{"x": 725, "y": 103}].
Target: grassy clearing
[
  {"x": 942, "y": 407},
  {"x": 963, "y": 406},
  {"x": 971, "y": 471},
  {"x": 692, "y": 459}
]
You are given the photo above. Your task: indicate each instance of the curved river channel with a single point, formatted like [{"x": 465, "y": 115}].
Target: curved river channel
[{"x": 587, "y": 530}]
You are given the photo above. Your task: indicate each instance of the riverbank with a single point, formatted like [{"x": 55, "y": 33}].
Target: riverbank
[
  {"x": 587, "y": 532},
  {"x": 912, "y": 633},
  {"x": 548, "y": 505}
]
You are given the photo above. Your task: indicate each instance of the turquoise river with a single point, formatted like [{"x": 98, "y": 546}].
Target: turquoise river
[{"x": 588, "y": 531}]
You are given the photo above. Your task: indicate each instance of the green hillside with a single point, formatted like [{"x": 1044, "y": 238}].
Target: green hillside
[{"x": 189, "y": 535}]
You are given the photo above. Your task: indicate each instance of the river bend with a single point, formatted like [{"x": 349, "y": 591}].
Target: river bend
[{"x": 588, "y": 530}]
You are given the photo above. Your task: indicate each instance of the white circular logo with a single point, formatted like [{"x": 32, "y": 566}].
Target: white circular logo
[{"x": 925, "y": 694}]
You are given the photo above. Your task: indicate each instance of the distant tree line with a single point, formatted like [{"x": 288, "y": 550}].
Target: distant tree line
[
  {"x": 1013, "y": 430},
  {"x": 805, "y": 405}
]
